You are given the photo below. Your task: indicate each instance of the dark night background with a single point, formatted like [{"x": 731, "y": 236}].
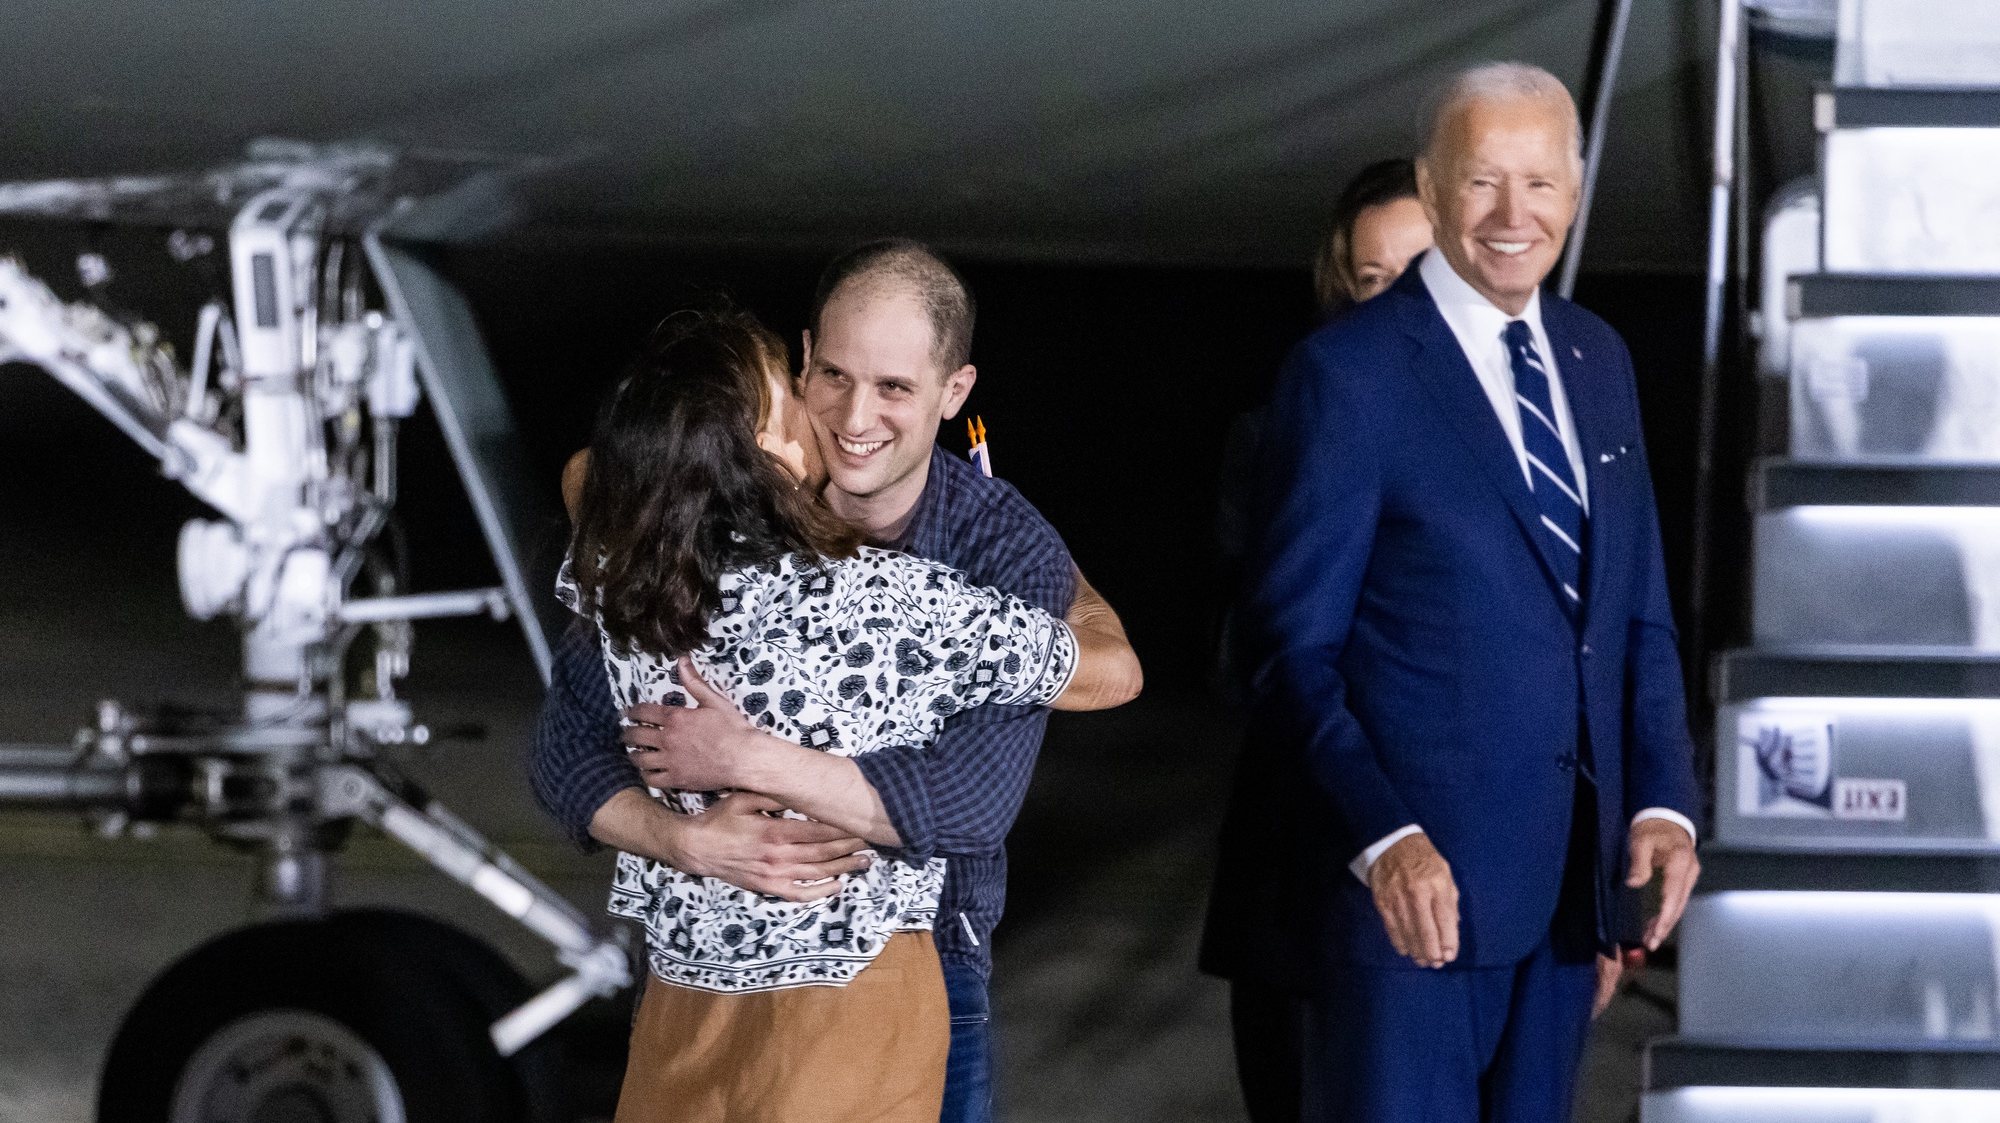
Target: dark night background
[
  {"x": 1107, "y": 393},
  {"x": 1093, "y": 133}
]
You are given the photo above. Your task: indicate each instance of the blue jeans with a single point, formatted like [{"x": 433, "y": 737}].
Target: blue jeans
[{"x": 968, "y": 1072}]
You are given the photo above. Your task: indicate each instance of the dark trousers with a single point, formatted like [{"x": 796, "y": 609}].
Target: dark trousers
[
  {"x": 1268, "y": 1026},
  {"x": 1456, "y": 1045},
  {"x": 1467, "y": 1045}
]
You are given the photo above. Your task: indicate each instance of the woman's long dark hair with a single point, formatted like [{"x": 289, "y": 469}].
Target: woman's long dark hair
[
  {"x": 678, "y": 491},
  {"x": 1383, "y": 181}
]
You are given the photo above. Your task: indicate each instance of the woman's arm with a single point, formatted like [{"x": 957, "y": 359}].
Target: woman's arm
[
  {"x": 713, "y": 746},
  {"x": 1107, "y": 669}
]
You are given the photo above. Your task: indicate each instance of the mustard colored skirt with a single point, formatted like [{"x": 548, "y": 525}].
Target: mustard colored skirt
[{"x": 872, "y": 1051}]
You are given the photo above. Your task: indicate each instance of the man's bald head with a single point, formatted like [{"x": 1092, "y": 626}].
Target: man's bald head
[
  {"x": 886, "y": 364},
  {"x": 902, "y": 267},
  {"x": 1496, "y": 82}
]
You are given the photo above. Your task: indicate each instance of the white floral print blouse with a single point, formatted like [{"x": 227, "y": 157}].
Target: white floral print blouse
[{"x": 845, "y": 656}]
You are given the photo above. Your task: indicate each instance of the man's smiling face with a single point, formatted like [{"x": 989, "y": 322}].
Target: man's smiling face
[
  {"x": 876, "y": 395},
  {"x": 1501, "y": 189}
]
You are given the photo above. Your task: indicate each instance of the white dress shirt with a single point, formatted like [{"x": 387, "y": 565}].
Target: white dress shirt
[{"x": 1480, "y": 329}]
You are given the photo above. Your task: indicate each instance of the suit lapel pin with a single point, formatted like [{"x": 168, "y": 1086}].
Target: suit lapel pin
[{"x": 1577, "y": 352}]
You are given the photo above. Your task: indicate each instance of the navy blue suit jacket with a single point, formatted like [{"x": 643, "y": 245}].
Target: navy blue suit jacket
[{"x": 1414, "y": 660}]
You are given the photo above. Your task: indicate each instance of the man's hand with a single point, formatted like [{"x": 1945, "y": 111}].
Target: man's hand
[
  {"x": 715, "y": 748},
  {"x": 1663, "y": 846},
  {"x": 735, "y": 841},
  {"x": 705, "y": 749},
  {"x": 1418, "y": 900},
  {"x": 1610, "y": 969}
]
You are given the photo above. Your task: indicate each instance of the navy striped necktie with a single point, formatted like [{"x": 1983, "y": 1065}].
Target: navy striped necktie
[{"x": 1549, "y": 474}]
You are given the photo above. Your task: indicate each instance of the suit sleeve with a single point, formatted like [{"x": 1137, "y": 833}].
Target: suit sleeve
[
  {"x": 1321, "y": 477},
  {"x": 1659, "y": 752}
]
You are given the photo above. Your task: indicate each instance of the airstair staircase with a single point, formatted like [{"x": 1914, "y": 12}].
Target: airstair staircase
[{"x": 1841, "y": 961}]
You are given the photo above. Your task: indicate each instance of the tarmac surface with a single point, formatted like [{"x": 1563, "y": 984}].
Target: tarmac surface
[{"x": 1101, "y": 1014}]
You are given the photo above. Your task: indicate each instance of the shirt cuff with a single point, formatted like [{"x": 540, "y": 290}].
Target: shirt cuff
[
  {"x": 1364, "y": 862},
  {"x": 597, "y": 779},
  {"x": 1671, "y": 816},
  {"x": 898, "y": 777}
]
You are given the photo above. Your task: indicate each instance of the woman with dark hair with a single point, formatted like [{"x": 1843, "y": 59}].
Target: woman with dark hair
[
  {"x": 701, "y": 544},
  {"x": 1378, "y": 227}
]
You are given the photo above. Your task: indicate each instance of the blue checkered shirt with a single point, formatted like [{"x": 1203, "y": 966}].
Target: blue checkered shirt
[{"x": 956, "y": 798}]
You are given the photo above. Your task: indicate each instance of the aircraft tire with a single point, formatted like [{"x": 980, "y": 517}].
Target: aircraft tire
[{"x": 360, "y": 1017}]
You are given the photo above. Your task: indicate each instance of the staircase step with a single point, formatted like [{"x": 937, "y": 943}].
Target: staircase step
[
  {"x": 1778, "y": 483},
  {"x": 1728, "y": 868},
  {"x": 1914, "y": 202},
  {"x": 1895, "y": 577},
  {"x": 1747, "y": 674},
  {"x": 1821, "y": 295},
  {"x": 1820, "y": 1105},
  {"x": 1686, "y": 1062},
  {"x": 1901, "y": 43},
  {"x": 1854, "y": 776},
  {"x": 1730, "y": 1080},
  {"x": 1871, "y": 389},
  {"x": 1841, "y": 968},
  {"x": 1908, "y": 107}
]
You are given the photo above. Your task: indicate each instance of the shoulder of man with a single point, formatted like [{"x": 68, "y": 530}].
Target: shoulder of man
[
  {"x": 995, "y": 536},
  {"x": 1585, "y": 328},
  {"x": 1358, "y": 343}
]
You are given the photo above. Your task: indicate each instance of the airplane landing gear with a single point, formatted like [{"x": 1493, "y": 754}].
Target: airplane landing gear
[{"x": 359, "y": 1017}]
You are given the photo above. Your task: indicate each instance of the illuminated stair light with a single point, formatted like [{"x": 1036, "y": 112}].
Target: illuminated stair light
[{"x": 1822, "y": 1105}]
